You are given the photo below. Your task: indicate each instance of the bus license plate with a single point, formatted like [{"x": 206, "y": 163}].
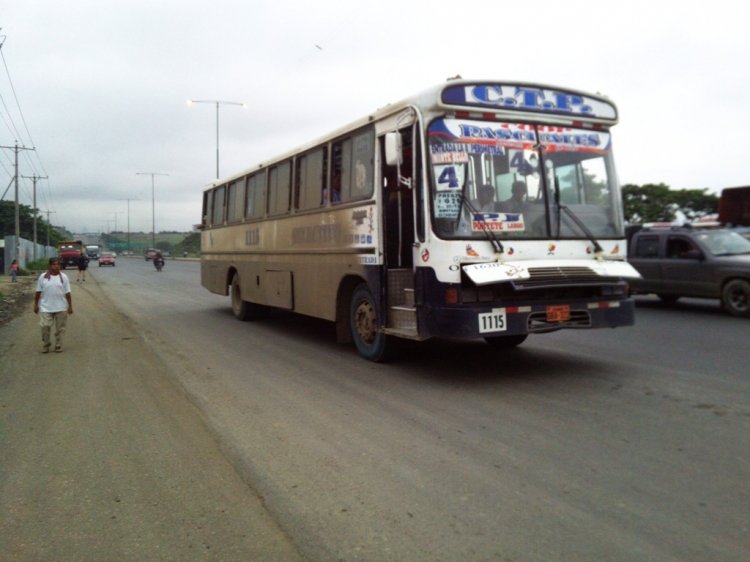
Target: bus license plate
[
  {"x": 495, "y": 321},
  {"x": 558, "y": 313}
]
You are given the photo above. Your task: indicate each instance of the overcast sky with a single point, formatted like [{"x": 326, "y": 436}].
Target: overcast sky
[{"x": 102, "y": 86}]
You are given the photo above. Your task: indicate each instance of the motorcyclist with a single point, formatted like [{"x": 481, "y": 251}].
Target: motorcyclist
[{"x": 158, "y": 260}]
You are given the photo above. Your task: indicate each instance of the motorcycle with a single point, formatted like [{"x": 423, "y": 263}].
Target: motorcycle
[{"x": 158, "y": 263}]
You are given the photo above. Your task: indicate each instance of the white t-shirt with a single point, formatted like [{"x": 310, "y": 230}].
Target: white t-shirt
[{"x": 53, "y": 289}]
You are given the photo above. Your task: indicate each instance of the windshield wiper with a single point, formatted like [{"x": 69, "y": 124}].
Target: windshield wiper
[
  {"x": 598, "y": 251},
  {"x": 597, "y": 247}
]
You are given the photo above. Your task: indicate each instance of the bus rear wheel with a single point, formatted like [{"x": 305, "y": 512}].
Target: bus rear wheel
[
  {"x": 239, "y": 307},
  {"x": 370, "y": 341}
]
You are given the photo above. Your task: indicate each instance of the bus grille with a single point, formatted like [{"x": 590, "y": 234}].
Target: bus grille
[{"x": 550, "y": 276}]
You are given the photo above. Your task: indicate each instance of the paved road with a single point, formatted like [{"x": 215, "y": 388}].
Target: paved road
[{"x": 627, "y": 444}]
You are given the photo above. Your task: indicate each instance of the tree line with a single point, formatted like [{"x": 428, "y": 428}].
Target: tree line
[
  {"x": 658, "y": 203},
  {"x": 26, "y": 221}
]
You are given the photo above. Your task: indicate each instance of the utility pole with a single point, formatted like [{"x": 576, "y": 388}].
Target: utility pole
[
  {"x": 48, "y": 227},
  {"x": 34, "y": 209},
  {"x": 16, "y": 148}
]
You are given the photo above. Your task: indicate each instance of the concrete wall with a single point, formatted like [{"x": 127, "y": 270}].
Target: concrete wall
[{"x": 25, "y": 252}]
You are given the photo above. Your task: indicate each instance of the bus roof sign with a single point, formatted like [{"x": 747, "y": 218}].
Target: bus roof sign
[{"x": 529, "y": 98}]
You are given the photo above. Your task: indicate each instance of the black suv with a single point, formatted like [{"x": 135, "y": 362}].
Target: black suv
[{"x": 686, "y": 262}]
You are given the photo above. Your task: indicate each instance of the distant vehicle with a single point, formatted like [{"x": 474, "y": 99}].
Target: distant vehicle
[
  {"x": 68, "y": 252},
  {"x": 149, "y": 254},
  {"x": 687, "y": 262},
  {"x": 107, "y": 258},
  {"x": 93, "y": 251},
  {"x": 734, "y": 206}
]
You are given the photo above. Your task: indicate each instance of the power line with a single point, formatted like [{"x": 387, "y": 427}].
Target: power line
[
  {"x": 18, "y": 135},
  {"x": 15, "y": 97}
]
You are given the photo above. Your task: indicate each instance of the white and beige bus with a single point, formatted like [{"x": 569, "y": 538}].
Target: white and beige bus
[{"x": 476, "y": 209}]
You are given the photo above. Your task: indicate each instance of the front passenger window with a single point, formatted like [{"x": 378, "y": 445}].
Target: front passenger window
[{"x": 680, "y": 248}]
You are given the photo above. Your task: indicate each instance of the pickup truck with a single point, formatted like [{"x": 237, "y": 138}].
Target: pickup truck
[{"x": 687, "y": 262}]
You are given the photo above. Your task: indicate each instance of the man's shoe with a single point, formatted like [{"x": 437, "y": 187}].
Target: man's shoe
[
  {"x": 45, "y": 349},
  {"x": 58, "y": 348}
]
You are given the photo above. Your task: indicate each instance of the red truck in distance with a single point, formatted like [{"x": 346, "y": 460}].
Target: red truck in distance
[{"x": 69, "y": 252}]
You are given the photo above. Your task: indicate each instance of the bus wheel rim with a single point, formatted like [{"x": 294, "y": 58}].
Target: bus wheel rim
[{"x": 366, "y": 321}]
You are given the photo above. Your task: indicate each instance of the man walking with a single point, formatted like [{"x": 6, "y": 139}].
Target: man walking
[
  {"x": 53, "y": 303},
  {"x": 83, "y": 263}
]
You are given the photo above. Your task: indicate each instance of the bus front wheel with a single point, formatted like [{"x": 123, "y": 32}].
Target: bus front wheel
[{"x": 371, "y": 343}]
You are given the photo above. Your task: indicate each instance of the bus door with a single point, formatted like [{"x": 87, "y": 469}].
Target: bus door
[{"x": 399, "y": 196}]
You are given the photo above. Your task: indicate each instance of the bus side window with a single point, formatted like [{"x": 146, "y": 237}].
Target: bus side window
[
  {"x": 352, "y": 167},
  {"x": 218, "y": 209},
  {"x": 256, "y": 192},
  {"x": 207, "y": 199},
  {"x": 236, "y": 201},
  {"x": 279, "y": 187},
  {"x": 309, "y": 193},
  {"x": 363, "y": 151},
  {"x": 342, "y": 153}
]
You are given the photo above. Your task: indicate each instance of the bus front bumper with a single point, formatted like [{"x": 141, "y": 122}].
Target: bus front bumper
[{"x": 489, "y": 320}]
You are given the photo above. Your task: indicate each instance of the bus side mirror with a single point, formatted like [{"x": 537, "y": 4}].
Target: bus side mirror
[{"x": 393, "y": 149}]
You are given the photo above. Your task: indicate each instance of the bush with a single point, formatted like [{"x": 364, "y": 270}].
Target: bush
[{"x": 38, "y": 265}]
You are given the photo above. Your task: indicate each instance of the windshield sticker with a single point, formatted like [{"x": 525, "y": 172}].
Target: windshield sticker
[
  {"x": 498, "y": 222},
  {"x": 449, "y": 178},
  {"x": 521, "y": 97},
  {"x": 447, "y": 204},
  {"x": 449, "y": 157}
]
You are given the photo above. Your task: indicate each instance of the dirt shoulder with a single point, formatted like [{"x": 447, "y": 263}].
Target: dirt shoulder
[
  {"x": 105, "y": 458},
  {"x": 15, "y": 296}
]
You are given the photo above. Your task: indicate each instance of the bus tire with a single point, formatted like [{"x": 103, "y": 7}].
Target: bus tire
[
  {"x": 736, "y": 297},
  {"x": 239, "y": 307},
  {"x": 371, "y": 343},
  {"x": 506, "y": 342}
]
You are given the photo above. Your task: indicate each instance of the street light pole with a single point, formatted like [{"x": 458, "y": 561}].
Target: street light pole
[
  {"x": 153, "y": 204},
  {"x": 217, "y": 103},
  {"x": 128, "y": 200}
]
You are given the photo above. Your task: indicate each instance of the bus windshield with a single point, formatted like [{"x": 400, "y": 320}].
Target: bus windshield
[{"x": 516, "y": 179}]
